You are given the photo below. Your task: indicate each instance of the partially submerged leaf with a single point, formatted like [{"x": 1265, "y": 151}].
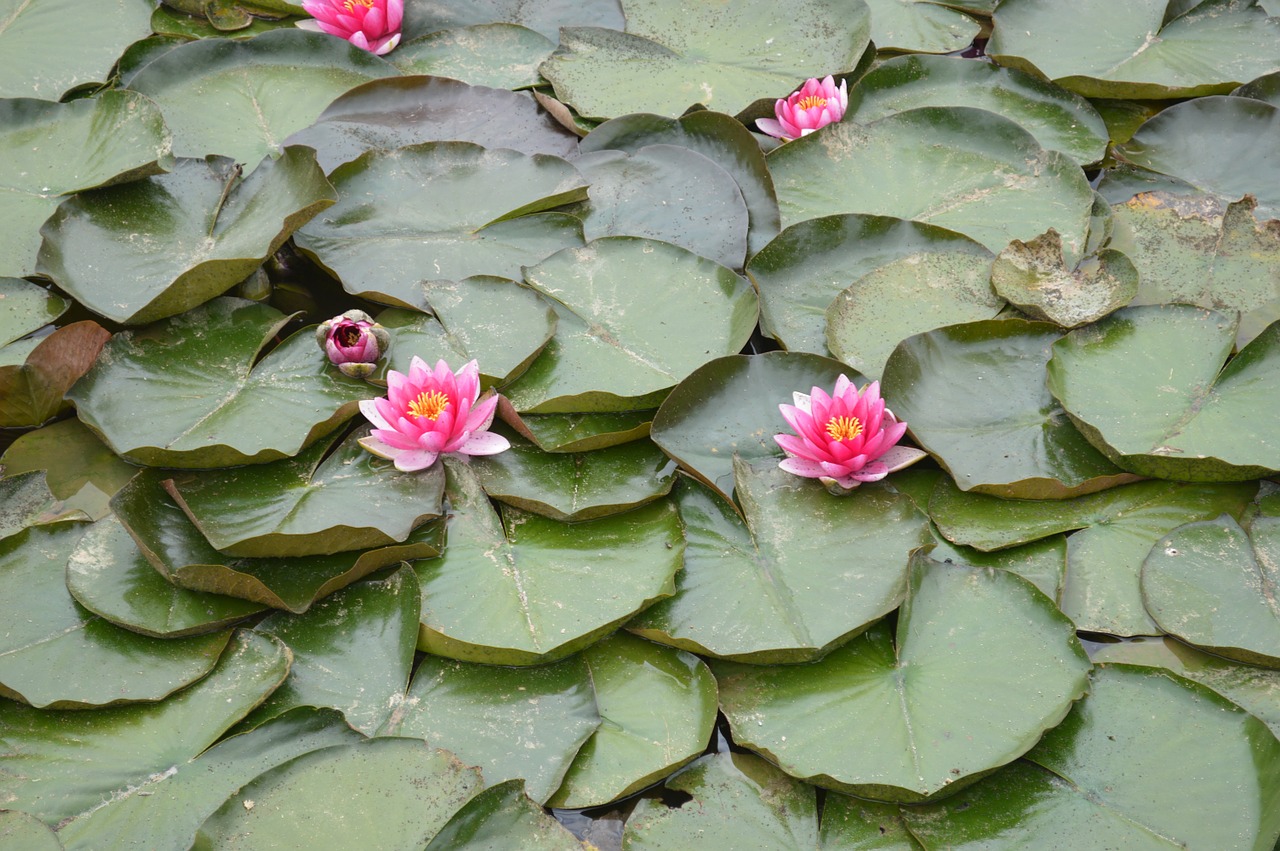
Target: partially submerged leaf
[{"x": 1035, "y": 278}]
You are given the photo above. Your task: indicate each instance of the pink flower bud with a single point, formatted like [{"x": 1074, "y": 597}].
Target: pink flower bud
[{"x": 353, "y": 342}]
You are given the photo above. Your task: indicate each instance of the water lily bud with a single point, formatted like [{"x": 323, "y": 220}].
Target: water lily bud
[
  {"x": 373, "y": 25},
  {"x": 353, "y": 342},
  {"x": 817, "y": 104}
]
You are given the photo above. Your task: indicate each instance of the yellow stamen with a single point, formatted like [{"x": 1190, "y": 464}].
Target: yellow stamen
[
  {"x": 844, "y": 428},
  {"x": 429, "y": 405},
  {"x": 351, "y": 7},
  {"x": 811, "y": 101}
]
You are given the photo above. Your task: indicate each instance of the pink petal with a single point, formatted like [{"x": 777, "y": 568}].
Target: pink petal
[
  {"x": 873, "y": 472},
  {"x": 481, "y": 416},
  {"x": 369, "y": 407},
  {"x": 395, "y": 13},
  {"x": 793, "y": 445},
  {"x": 358, "y": 39},
  {"x": 408, "y": 462},
  {"x": 801, "y": 467},
  {"x": 773, "y": 128},
  {"x": 900, "y": 457},
  {"x": 485, "y": 443},
  {"x": 386, "y": 45},
  {"x": 377, "y": 447},
  {"x": 395, "y": 439}
]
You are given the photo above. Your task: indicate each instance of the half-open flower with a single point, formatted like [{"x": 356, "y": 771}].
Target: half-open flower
[
  {"x": 817, "y": 104},
  {"x": 353, "y": 342},
  {"x": 370, "y": 24},
  {"x": 429, "y": 413},
  {"x": 844, "y": 439}
]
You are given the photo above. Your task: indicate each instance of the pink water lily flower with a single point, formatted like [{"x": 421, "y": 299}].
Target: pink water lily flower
[
  {"x": 817, "y": 104},
  {"x": 844, "y": 439},
  {"x": 370, "y": 24},
  {"x": 429, "y": 413}
]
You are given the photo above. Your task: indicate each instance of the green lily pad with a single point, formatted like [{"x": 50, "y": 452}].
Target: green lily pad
[
  {"x": 729, "y": 408},
  {"x": 810, "y": 264},
  {"x": 799, "y": 573},
  {"x": 444, "y": 211},
  {"x": 392, "y": 113},
  {"x": 81, "y": 471},
  {"x": 72, "y": 761},
  {"x": 614, "y": 352},
  {"x": 1198, "y": 249},
  {"x": 241, "y": 99},
  {"x": 920, "y": 26},
  {"x": 1060, "y": 120},
  {"x": 543, "y": 16},
  {"x": 26, "y": 308},
  {"x": 33, "y": 383},
  {"x": 109, "y": 576},
  {"x": 666, "y": 192},
  {"x": 170, "y": 22},
  {"x": 961, "y": 168},
  {"x": 1214, "y": 586},
  {"x": 579, "y": 486},
  {"x": 392, "y": 793},
  {"x": 333, "y": 497},
  {"x": 577, "y": 432},
  {"x": 167, "y": 814},
  {"x": 974, "y": 396},
  {"x": 505, "y": 56},
  {"x": 1043, "y": 563},
  {"x": 56, "y": 149},
  {"x": 157, "y": 247},
  {"x": 1240, "y": 132},
  {"x": 174, "y": 546},
  {"x": 57, "y": 655},
  {"x": 1265, "y": 88},
  {"x": 723, "y": 56},
  {"x": 716, "y": 136},
  {"x": 1100, "y": 591},
  {"x": 1142, "y": 51},
  {"x": 20, "y": 830},
  {"x": 1101, "y": 779},
  {"x": 511, "y": 722},
  {"x": 1147, "y": 387},
  {"x": 657, "y": 707},
  {"x": 519, "y": 589},
  {"x": 1034, "y": 278},
  {"x": 352, "y": 651},
  {"x": 220, "y": 408},
  {"x": 502, "y": 816},
  {"x": 905, "y": 297},
  {"x": 26, "y": 501},
  {"x": 900, "y": 720},
  {"x": 49, "y": 48}
]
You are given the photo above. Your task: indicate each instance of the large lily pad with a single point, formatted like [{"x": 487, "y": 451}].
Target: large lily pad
[
  {"x": 157, "y": 247},
  {"x": 55, "y": 149},
  {"x": 974, "y": 396},
  {"x": 505, "y": 56},
  {"x": 387, "y": 114},
  {"x": 80, "y": 470},
  {"x": 543, "y": 16},
  {"x": 94, "y": 659},
  {"x": 187, "y": 393},
  {"x": 27, "y": 308},
  {"x": 519, "y": 589},
  {"x": 25, "y": 501},
  {"x": 1147, "y": 386},
  {"x": 242, "y": 99},
  {"x": 799, "y": 573},
  {"x": 333, "y": 497},
  {"x": 612, "y": 350},
  {"x": 502, "y": 816},
  {"x": 1034, "y": 278},
  {"x": 1215, "y": 586},
  {"x": 444, "y": 211},
  {"x": 900, "y": 719},
  {"x": 956, "y": 167},
  {"x": 35, "y": 373},
  {"x": 920, "y": 26},
  {"x": 724, "y": 56},
  {"x": 1142, "y": 51}
]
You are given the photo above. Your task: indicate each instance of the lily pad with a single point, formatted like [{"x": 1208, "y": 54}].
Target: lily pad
[
  {"x": 27, "y": 308},
  {"x": 72, "y": 762},
  {"x": 95, "y": 660},
  {"x": 657, "y": 707},
  {"x": 1034, "y": 277},
  {"x": 241, "y": 99},
  {"x": 614, "y": 352},
  {"x": 1198, "y": 249},
  {"x": 81, "y": 471},
  {"x": 20, "y": 830},
  {"x": 543, "y": 16},
  {"x": 444, "y": 211},
  {"x": 723, "y": 56},
  {"x": 333, "y": 497},
  {"x": 920, "y": 26},
  {"x": 1142, "y": 51},
  {"x": 810, "y": 264},
  {"x": 505, "y": 56},
  {"x": 1100, "y": 591},
  {"x": 974, "y": 396},
  {"x": 1060, "y": 120},
  {"x": 501, "y": 816},
  {"x": 519, "y": 589},
  {"x": 157, "y": 247},
  {"x": 1147, "y": 387},
  {"x": 25, "y": 501},
  {"x": 799, "y": 573},
  {"x": 1265, "y": 88},
  {"x": 900, "y": 720},
  {"x": 1214, "y": 586},
  {"x": 579, "y": 486},
  {"x": 577, "y": 432},
  {"x": 35, "y": 374},
  {"x": 1043, "y": 563},
  {"x": 186, "y": 392},
  {"x": 383, "y": 115},
  {"x": 729, "y": 408}
]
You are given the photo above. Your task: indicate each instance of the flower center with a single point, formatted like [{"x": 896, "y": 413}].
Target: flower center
[
  {"x": 429, "y": 405},
  {"x": 809, "y": 103},
  {"x": 351, "y": 7},
  {"x": 844, "y": 428},
  {"x": 347, "y": 335}
]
